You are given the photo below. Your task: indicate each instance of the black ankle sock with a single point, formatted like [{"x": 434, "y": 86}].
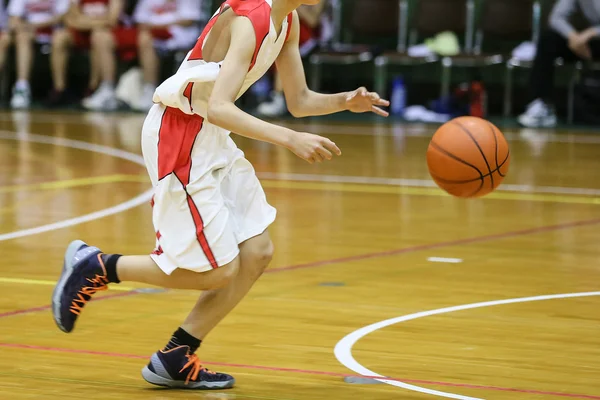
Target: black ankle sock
[
  {"x": 110, "y": 264},
  {"x": 182, "y": 338}
]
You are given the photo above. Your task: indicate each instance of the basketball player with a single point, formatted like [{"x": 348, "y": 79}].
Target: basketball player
[
  {"x": 101, "y": 27},
  {"x": 31, "y": 21},
  {"x": 210, "y": 212},
  {"x": 163, "y": 25}
]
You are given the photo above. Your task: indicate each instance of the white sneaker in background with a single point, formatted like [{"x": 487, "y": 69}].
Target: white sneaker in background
[
  {"x": 145, "y": 102},
  {"x": 103, "y": 99},
  {"x": 275, "y": 108},
  {"x": 538, "y": 115},
  {"x": 21, "y": 97}
]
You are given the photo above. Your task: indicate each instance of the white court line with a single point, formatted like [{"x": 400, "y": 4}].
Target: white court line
[
  {"x": 373, "y": 180},
  {"x": 343, "y": 349},
  {"x": 445, "y": 260},
  {"x": 76, "y": 144}
]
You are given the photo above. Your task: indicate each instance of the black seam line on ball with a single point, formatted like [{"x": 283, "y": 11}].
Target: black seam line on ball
[
  {"x": 475, "y": 179},
  {"x": 446, "y": 152},
  {"x": 468, "y": 133}
]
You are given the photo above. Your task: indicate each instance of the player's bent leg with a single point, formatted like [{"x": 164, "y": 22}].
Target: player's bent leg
[
  {"x": 86, "y": 270},
  {"x": 214, "y": 305},
  {"x": 177, "y": 365}
]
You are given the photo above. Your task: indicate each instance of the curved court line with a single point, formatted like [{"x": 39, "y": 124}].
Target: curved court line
[
  {"x": 343, "y": 349},
  {"x": 76, "y": 144}
]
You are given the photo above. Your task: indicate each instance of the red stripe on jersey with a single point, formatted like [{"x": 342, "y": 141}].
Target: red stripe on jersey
[
  {"x": 176, "y": 137},
  {"x": 187, "y": 93},
  {"x": 257, "y": 11},
  {"x": 290, "y": 19}
]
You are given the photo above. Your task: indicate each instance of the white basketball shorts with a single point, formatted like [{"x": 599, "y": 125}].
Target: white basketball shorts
[{"x": 207, "y": 197}]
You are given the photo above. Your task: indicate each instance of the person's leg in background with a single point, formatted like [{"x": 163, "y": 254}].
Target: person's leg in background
[
  {"x": 4, "y": 45},
  {"x": 103, "y": 55},
  {"x": 540, "y": 112},
  {"x": 62, "y": 40},
  {"x": 150, "y": 67},
  {"x": 24, "y": 38}
]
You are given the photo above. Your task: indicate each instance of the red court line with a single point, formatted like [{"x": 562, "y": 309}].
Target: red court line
[
  {"x": 413, "y": 249},
  {"x": 405, "y": 250},
  {"x": 46, "y": 307},
  {"x": 307, "y": 371}
]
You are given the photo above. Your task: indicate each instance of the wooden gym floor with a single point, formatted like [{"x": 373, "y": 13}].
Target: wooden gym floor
[{"x": 435, "y": 292}]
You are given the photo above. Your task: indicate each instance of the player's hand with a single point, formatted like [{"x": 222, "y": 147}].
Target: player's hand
[
  {"x": 579, "y": 43},
  {"x": 313, "y": 148},
  {"x": 361, "y": 101}
]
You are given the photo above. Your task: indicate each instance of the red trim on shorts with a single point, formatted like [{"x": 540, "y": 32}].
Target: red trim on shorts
[
  {"x": 158, "y": 251},
  {"x": 176, "y": 137},
  {"x": 200, "y": 232}
]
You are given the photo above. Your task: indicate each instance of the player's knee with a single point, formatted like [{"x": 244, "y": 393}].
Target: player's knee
[
  {"x": 259, "y": 256},
  {"x": 4, "y": 41},
  {"x": 60, "y": 39},
  {"x": 226, "y": 273},
  {"x": 23, "y": 37},
  {"x": 144, "y": 40},
  {"x": 101, "y": 38}
]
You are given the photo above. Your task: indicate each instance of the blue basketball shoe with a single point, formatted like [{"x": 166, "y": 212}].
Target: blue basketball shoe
[
  {"x": 83, "y": 275},
  {"x": 177, "y": 368}
]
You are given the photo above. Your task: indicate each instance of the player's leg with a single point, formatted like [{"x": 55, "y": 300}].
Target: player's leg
[
  {"x": 211, "y": 308},
  {"x": 4, "y": 44},
  {"x": 21, "y": 97},
  {"x": 214, "y": 305},
  {"x": 150, "y": 67},
  {"x": 105, "y": 58}
]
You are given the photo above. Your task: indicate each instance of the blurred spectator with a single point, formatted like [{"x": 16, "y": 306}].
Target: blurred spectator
[
  {"x": 4, "y": 36},
  {"x": 31, "y": 21},
  {"x": 562, "y": 40},
  {"x": 101, "y": 27},
  {"x": 163, "y": 25},
  {"x": 314, "y": 24}
]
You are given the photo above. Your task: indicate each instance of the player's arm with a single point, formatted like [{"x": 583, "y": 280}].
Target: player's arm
[
  {"x": 223, "y": 112},
  {"x": 303, "y": 102},
  {"x": 78, "y": 20}
]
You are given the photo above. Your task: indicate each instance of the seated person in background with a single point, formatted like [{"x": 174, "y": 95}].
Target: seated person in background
[
  {"x": 100, "y": 26},
  {"x": 4, "y": 36},
  {"x": 31, "y": 20},
  {"x": 311, "y": 34},
  {"x": 163, "y": 25},
  {"x": 562, "y": 40}
]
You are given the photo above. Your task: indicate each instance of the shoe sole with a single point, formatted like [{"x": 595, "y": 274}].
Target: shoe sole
[
  {"x": 67, "y": 271},
  {"x": 530, "y": 124},
  {"x": 158, "y": 380}
]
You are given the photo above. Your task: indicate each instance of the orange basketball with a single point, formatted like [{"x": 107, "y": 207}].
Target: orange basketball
[{"x": 468, "y": 157}]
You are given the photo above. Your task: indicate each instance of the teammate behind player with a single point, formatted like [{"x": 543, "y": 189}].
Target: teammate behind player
[
  {"x": 163, "y": 25},
  {"x": 100, "y": 26},
  {"x": 210, "y": 211},
  {"x": 31, "y": 21}
]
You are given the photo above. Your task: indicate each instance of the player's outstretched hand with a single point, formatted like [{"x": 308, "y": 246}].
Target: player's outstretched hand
[
  {"x": 361, "y": 101},
  {"x": 313, "y": 148}
]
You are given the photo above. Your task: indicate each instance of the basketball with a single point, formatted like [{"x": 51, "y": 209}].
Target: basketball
[{"x": 468, "y": 157}]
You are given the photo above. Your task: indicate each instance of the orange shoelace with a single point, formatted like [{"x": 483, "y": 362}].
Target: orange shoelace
[
  {"x": 195, "y": 368},
  {"x": 99, "y": 283}
]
